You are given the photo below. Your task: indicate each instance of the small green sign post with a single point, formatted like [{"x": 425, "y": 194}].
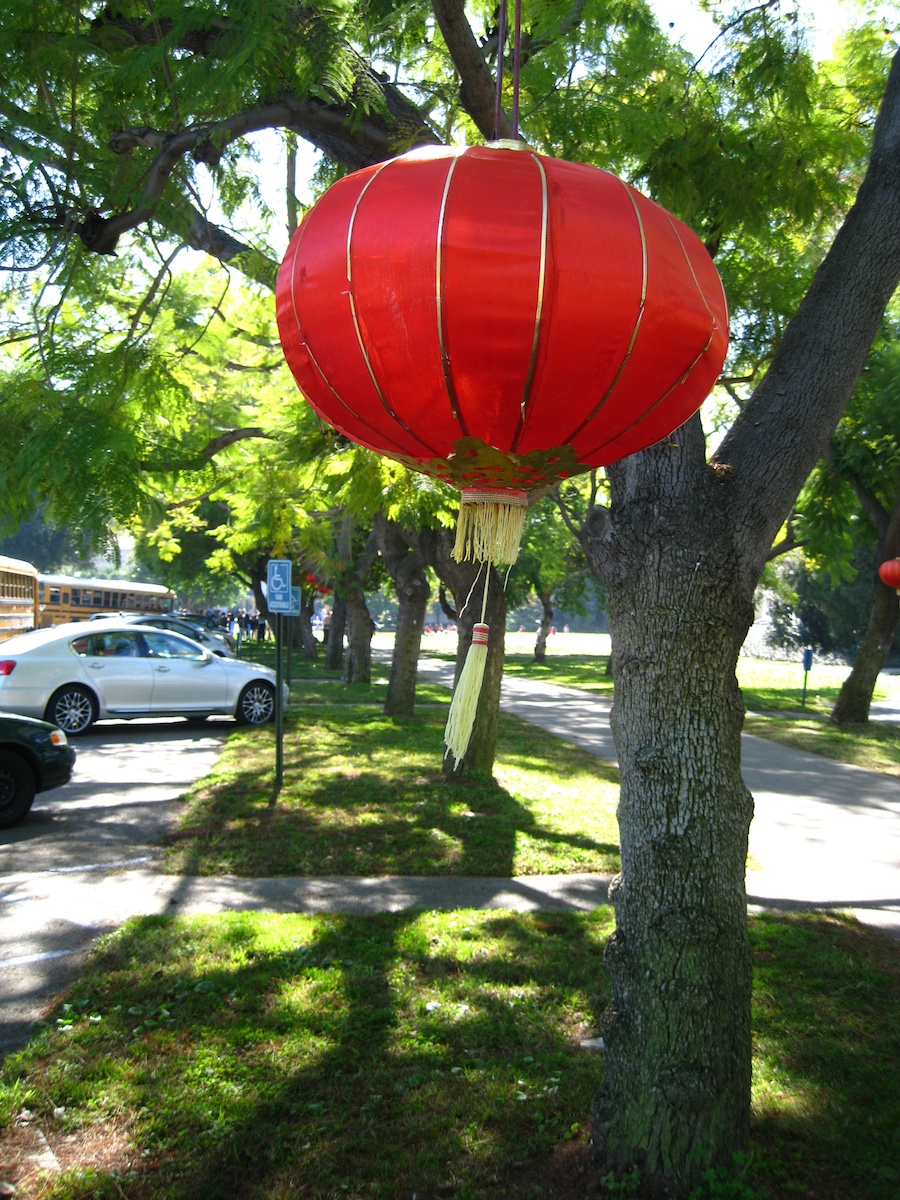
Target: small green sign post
[
  {"x": 278, "y": 602},
  {"x": 807, "y": 667}
]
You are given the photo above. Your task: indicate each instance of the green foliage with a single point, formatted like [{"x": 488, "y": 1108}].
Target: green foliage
[
  {"x": 49, "y": 548},
  {"x": 129, "y": 363}
]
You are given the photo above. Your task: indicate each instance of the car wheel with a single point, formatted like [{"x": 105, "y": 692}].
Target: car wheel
[
  {"x": 73, "y": 709},
  {"x": 257, "y": 703},
  {"x": 16, "y": 789}
]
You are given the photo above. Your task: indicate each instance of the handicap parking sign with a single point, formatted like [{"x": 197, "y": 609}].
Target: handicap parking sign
[{"x": 278, "y": 585}]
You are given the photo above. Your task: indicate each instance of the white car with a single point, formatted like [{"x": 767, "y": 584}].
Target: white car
[
  {"x": 212, "y": 640},
  {"x": 73, "y": 675}
]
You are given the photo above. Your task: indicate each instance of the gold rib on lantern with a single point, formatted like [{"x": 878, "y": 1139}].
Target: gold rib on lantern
[
  {"x": 352, "y": 301},
  {"x": 439, "y": 297},
  {"x": 315, "y": 362},
  {"x": 539, "y": 305},
  {"x": 637, "y": 324}
]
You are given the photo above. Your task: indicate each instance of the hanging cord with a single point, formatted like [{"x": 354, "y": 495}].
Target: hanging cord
[
  {"x": 517, "y": 56},
  {"x": 487, "y": 580},
  {"x": 472, "y": 589},
  {"x": 516, "y": 64},
  {"x": 501, "y": 44}
]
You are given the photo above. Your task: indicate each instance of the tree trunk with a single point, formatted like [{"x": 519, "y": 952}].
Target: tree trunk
[
  {"x": 680, "y": 552},
  {"x": 855, "y": 696},
  {"x": 406, "y": 568},
  {"x": 478, "y": 761},
  {"x": 540, "y": 646},
  {"x": 435, "y": 546},
  {"x": 358, "y": 659},
  {"x": 308, "y": 642},
  {"x": 676, "y": 1093},
  {"x": 334, "y": 655}
]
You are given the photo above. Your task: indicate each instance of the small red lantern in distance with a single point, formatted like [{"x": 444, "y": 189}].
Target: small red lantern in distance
[
  {"x": 321, "y": 588},
  {"x": 499, "y": 319},
  {"x": 889, "y": 573}
]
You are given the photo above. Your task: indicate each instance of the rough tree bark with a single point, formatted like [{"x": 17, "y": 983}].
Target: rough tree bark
[
  {"x": 855, "y": 697},
  {"x": 358, "y": 659},
  {"x": 334, "y": 651},
  {"x": 406, "y": 568},
  {"x": 540, "y": 646},
  {"x": 303, "y": 624},
  {"x": 680, "y": 551},
  {"x": 360, "y": 626}
]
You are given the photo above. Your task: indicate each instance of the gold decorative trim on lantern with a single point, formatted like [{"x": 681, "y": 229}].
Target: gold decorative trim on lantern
[
  {"x": 539, "y": 303},
  {"x": 439, "y": 298}
]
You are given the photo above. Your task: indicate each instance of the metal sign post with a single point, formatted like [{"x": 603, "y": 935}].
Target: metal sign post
[
  {"x": 278, "y": 602},
  {"x": 807, "y": 667},
  {"x": 291, "y": 625}
]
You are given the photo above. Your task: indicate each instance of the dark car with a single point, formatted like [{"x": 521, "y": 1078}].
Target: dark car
[{"x": 34, "y": 757}]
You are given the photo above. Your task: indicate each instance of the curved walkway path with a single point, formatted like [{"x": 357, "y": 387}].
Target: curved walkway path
[{"x": 824, "y": 834}]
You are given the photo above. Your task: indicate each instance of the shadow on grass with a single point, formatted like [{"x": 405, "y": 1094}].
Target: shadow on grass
[
  {"x": 273, "y": 1057},
  {"x": 366, "y": 1059},
  {"x": 826, "y": 1084},
  {"x": 361, "y": 796}
]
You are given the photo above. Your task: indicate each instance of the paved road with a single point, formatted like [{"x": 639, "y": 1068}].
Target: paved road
[{"x": 57, "y": 865}]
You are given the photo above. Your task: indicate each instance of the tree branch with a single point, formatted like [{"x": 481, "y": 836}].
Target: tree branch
[
  {"x": 210, "y": 450},
  {"x": 332, "y": 128},
  {"x": 477, "y": 90},
  {"x": 868, "y": 501}
]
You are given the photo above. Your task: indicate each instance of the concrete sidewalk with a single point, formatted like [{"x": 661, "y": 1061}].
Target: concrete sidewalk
[{"x": 824, "y": 834}]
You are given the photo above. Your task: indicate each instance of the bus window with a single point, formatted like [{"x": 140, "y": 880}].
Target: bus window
[{"x": 76, "y": 596}]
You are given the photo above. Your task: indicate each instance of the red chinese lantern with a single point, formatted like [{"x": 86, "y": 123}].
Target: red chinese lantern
[
  {"x": 889, "y": 573},
  {"x": 500, "y": 320}
]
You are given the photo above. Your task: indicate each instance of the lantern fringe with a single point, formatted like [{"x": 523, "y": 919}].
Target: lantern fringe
[
  {"x": 461, "y": 718},
  {"x": 490, "y": 526}
]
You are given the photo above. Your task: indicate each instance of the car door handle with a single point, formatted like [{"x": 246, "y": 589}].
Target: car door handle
[
  {"x": 96, "y": 666},
  {"x": 162, "y": 670}
]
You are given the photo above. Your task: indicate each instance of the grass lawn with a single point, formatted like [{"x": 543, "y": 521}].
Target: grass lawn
[
  {"x": 269, "y": 1057},
  {"x": 427, "y": 1055},
  {"x": 363, "y": 794}
]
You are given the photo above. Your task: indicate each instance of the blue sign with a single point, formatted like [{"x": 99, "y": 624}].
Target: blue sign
[
  {"x": 278, "y": 585},
  {"x": 295, "y": 602}
]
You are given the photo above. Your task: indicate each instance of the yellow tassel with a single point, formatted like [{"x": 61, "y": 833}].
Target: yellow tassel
[
  {"x": 461, "y": 718},
  {"x": 490, "y": 525}
]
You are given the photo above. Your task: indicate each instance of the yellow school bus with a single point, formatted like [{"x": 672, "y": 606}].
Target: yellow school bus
[
  {"x": 65, "y": 598},
  {"x": 18, "y": 597}
]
